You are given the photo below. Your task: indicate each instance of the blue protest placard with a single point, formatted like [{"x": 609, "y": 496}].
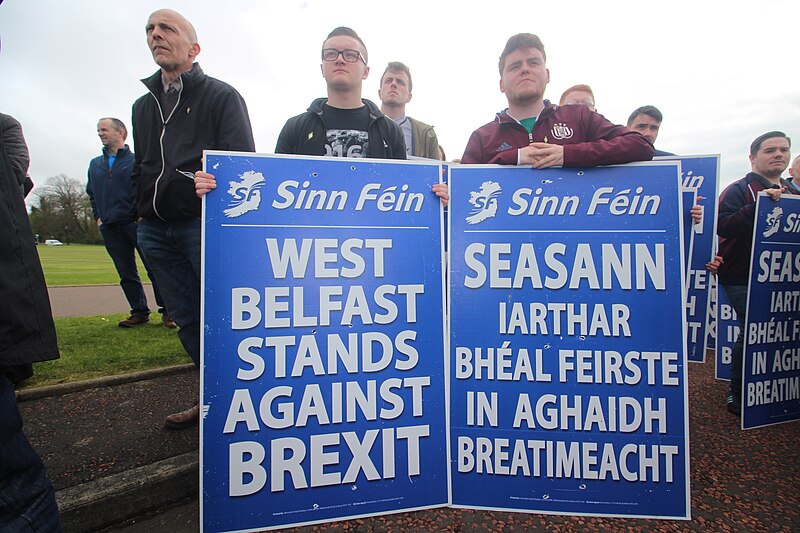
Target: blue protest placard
[
  {"x": 771, "y": 363},
  {"x": 568, "y": 347},
  {"x": 711, "y": 319},
  {"x": 688, "y": 198},
  {"x": 727, "y": 325},
  {"x": 700, "y": 173},
  {"x": 323, "y": 381}
]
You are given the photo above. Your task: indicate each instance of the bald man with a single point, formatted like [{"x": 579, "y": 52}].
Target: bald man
[
  {"x": 183, "y": 113},
  {"x": 794, "y": 172}
]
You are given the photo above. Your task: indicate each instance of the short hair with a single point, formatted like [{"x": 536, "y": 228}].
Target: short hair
[
  {"x": 755, "y": 146},
  {"x": 349, "y": 32},
  {"x": 520, "y": 40},
  {"x": 649, "y": 110},
  {"x": 580, "y": 87},
  {"x": 118, "y": 125},
  {"x": 397, "y": 66}
]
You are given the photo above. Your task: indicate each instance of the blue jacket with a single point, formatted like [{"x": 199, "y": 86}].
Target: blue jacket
[{"x": 111, "y": 189}]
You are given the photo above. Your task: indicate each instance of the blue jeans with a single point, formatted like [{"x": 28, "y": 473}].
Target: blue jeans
[
  {"x": 737, "y": 296},
  {"x": 27, "y": 499},
  {"x": 121, "y": 245},
  {"x": 173, "y": 251}
]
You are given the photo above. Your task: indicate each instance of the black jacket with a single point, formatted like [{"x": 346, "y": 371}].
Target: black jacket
[
  {"x": 16, "y": 150},
  {"x": 736, "y": 219},
  {"x": 305, "y": 133},
  {"x": 27, "y": 333},
  {"x": 210, "y": 115},
  {"x": 110, "y": 190}
]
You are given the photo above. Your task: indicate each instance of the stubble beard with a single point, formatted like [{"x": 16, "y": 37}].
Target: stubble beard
[
  {"x": 773, "y": 174},
  {"x": 525, "y": 99}
]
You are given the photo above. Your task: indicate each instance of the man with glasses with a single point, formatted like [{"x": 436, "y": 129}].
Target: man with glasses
[
  {"x": 343, "y": 124},
  {"x": 580, "y": 94},
  {"x": 532, "y": 131}
]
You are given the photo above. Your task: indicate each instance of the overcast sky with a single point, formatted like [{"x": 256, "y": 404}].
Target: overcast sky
[{"x": 721, "y": 73}]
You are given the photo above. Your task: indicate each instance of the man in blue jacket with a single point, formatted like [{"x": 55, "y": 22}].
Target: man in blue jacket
[{"x": 110, "y": 191}]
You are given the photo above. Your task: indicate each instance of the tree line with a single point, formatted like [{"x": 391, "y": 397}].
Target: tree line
[{"x": 64, "y": 212}]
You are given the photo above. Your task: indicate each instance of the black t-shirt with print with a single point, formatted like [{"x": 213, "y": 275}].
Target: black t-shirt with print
[{"x": 347, "y": 133}]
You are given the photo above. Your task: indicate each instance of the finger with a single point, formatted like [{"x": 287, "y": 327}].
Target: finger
[{"x": 546, "y": 161}]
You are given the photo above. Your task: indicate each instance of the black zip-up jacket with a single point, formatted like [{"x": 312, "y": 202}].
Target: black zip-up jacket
[
  {"x": 736, "y": 221},
  {"x": 305, "y": 133},
  {"x": 110, "y": 190},
  {"x": 209, "y": 115}
]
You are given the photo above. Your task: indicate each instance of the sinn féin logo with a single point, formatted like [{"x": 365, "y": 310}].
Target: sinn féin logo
[
  {"x": 561, "y": 131},
  {"x": 773, "y": 221},
  {"x": 484, "y": 202},
  {"x": 246, "y": 196}
]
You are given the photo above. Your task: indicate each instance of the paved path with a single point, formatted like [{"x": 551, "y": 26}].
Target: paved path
[
  {"x": 741, "y": 480},
  {"x": 90, "y": 300},
  {"x": 97, "y": 432}
]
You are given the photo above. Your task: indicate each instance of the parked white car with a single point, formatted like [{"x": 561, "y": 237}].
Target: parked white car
[{"x": 53, "y": 242}]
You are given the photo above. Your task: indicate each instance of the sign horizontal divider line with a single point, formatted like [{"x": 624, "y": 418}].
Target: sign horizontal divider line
[
  {"x": 319, "y": 227},
  {"x": 776, "y": 243},
  {"x": 563, "y": 231}
]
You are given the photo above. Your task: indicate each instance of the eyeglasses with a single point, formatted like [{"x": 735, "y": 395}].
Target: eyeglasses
[{"x": 351, "y": 56}]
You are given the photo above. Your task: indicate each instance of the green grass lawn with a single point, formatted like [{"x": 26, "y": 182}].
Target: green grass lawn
[
  {"x": 80, "y": 264},
  {"x": 95, "y": 346}
]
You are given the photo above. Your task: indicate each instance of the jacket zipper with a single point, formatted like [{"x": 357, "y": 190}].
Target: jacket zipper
[{"x": 161, "y": 144}]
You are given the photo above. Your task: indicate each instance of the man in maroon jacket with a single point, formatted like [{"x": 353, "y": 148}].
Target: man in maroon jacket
[
  {"x": 532, "y": 131},
  {"x": 769, "y": 157}
]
